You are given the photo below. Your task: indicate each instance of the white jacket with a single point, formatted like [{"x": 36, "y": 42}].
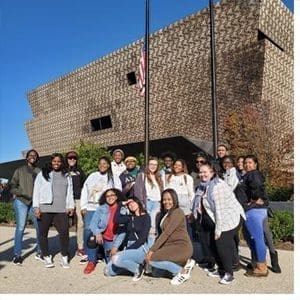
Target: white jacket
[
  {"x": 94, "y": 186},
  {"x": 42, "y": 191},
  {"x": 230, "y": 177},
  {"x": 184, "y": 186}
]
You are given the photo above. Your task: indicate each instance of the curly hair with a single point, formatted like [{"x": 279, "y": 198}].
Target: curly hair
[{"x": 120, "y": 196}]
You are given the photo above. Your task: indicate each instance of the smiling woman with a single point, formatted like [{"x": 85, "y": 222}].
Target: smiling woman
[
  {"x": 53, "y": 201},
  {"x": 172, "y": 250}
]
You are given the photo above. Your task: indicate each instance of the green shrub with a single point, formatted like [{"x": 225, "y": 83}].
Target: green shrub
[
  {"x": 89, "y": 154},
  {"x": 279, "y": 193},
  {"x": 7, "y": 213},
  {"x": 282, "y": 226}
]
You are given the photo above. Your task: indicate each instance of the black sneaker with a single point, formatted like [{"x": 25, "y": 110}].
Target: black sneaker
[
  {"x": 17, "y": 260},
  {"x": 84, "y": 260},
  {"x": 139, "y": 274}
]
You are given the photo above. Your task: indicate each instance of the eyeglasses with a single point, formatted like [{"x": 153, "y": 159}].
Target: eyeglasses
[
  {"x": 200, "y": 161},
  {"x": 72, "y": 157},
  {"x": 110, "y": 195}
]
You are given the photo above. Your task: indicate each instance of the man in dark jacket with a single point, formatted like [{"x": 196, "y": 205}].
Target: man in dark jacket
[
  {"x": 128, "y": 177},
  {"x": 22, "y": 190}
]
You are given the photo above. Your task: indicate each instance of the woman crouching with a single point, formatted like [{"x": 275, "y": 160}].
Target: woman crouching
[{"x": 173, "y": 248}]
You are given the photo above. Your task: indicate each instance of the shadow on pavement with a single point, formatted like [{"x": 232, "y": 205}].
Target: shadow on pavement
[{"x": 28, "y": 248}]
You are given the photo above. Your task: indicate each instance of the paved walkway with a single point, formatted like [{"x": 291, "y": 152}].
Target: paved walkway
[{"x": 33, "y": 277}]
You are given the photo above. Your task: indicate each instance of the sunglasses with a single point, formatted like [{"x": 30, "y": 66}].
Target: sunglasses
[
  {"x": 200, "y": 162},
  {"x": 72, "y": 157}
]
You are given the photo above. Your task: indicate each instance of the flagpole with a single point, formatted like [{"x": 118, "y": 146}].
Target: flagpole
[
  {"x": 147, "y": 83},
  {"x": 213, "y": 79}
]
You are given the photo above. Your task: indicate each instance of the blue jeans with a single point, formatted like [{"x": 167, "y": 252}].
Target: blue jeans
[
  {"x": 107, "y": 245},
  {"x": 254, "y": 223},
  {"x": 22, "y": 210},
  {"x": 93, "y": 253},
  {"x": 166, "y": 265},
  {"x": 86, "y": 232},
  {"x": 153, "y": 208},
  {"x": 126, "y": 260}
]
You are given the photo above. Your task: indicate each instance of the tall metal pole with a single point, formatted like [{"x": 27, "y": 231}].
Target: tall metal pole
[
  {"x": 147, "y": 83},
  {"x": 213, "y": 79}
]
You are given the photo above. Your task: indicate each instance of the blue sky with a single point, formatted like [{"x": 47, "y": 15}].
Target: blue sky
[{"x": 42, "y": 40}]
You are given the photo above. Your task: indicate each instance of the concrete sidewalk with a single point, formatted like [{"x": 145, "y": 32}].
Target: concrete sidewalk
[{"x": 33, "y": 277}]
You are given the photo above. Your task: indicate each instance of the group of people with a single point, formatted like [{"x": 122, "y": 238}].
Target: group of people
[{"x": 147, "y": 219}]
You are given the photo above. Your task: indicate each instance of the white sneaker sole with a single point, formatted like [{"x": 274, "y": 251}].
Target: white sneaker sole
[
  {"x": 226, "y": 282},
  {"x": 213, "y": 275},
  {"x": 135, "y": 279},
  {"x": 39, "y": 258},
  {"x": 65, "y": 267}
]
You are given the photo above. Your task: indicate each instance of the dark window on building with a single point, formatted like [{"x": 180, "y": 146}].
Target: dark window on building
[
  {"x": 131, "y": 78},
  {"x": 262, "y": 36},
  {"x": 101, "y": 123}
]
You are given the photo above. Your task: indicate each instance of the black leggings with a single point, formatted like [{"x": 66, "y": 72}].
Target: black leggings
[{"x": 60, "y": 221}]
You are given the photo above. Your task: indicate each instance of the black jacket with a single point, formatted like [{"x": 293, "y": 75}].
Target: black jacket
[
  {"x": 78, "y": 178},
  {"x": 254, "y": 188}
]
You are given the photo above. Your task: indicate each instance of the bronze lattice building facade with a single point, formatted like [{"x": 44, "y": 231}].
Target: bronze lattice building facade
[{"x": 254, "y": 52}]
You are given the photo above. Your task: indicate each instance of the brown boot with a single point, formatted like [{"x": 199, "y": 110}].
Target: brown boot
[{"x": 260, "y": 270}]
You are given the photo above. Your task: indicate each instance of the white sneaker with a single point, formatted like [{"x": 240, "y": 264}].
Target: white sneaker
[
  {"x": 64, "y": 262},
  {"x": 189, "y": 265},
  {"x": 214, "y": 273},
  {"x": 38, "y": 256},
  {"x": 179, "y": 279},
  {"x": 139, "y": 274},
  {"x": 227, "y": 279},
  {"x": 48, "y": 261}
]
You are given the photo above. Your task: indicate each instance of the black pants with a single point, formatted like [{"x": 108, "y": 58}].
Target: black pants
[
  {"x": 236, "y": 258},
  {"x": 60, "y": 221},
  {"x": 207, "y": 237},
  {"x": 224, "y": 249}
]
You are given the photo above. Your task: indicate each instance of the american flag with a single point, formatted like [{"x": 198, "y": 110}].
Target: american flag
[{"x": 142, "y": 71}]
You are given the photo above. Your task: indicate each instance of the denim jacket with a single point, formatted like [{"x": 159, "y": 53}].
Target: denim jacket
[
  {"x": 42, "y": 191},
  {"x": 100, "y": 219}
]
